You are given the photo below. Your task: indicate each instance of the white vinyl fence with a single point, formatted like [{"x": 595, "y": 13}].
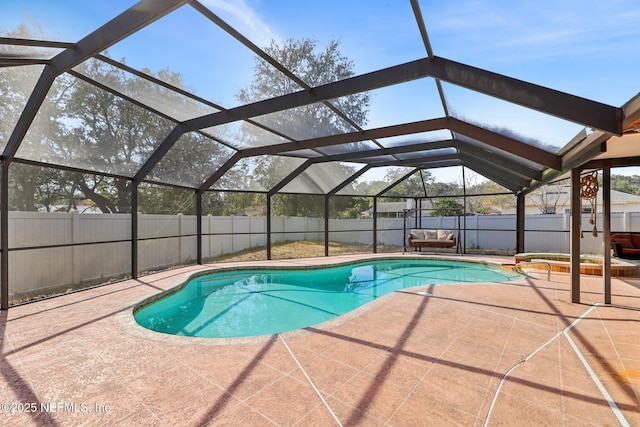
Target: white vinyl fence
[{"x": 166, "y": 240}]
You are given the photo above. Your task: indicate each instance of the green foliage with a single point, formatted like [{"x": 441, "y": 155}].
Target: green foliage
[
  {"x": 303, "y": 205},
  {"x": 446, "y": 206},
  {"x": 626, "y": 183},
  {"x": 234, "y": 203},
  {"x": 159, "y": 199},
  {"x": 314, "y": 67}
]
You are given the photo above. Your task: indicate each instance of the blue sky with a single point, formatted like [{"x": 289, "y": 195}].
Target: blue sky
[{"x": 585, "y": 47}]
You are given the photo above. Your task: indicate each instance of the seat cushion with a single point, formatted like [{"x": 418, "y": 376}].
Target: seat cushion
[
  {"x": 631, "y": 251},
  {"x": 430, "y": 235},
  {"x": 442, "y": 234},
  {"x": 625, "y": 243},
  {"x": 417, "y": 234}
]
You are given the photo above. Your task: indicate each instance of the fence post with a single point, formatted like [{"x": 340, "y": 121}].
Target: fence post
[
  {"x": 627, "y": 221},
  {"x": 567, "y": 229},
  {"x": 233, "y": 235},
  {"x": 180, "y": 238},
  {"x": 75, "y": 250}
]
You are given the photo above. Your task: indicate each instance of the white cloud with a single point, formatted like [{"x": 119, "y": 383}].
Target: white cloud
[{"x": 243, "y": 18}]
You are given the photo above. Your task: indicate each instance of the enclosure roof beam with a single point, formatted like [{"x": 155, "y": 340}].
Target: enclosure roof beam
[
  {"x": 349, "y": 180},
  {"x": 185, "y": 93},
  {"x": 560, "y": 104},
  {"x": 136, "y": 17},
  {"x": 423, "y": 146},
  {"x": 471, "y": 160},
  {"x": 119, "y": 94},
  {"x": 500, "y": 161},
  {"x": 389, "y": 187},
  {"x": 518, "y": 168},
  {"x": 15, "y": 62},
  {"x": 510, "y": 145},
  {"x": 550, "y": 101},
  {"x": 357, "y": 155},
  {"x": 422, "y": 162},
  {"x": 293, "y": 175},
  {"x": 220, "y": 172},
  {"x": 19, "y": 41},
  {"x": 482, "y": 135},
  {"x": 505, "y": 178},
  {"x": 345, "y": 138},
  {"x": 128, "y": 22}
]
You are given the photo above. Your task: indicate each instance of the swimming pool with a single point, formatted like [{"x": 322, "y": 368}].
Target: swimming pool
[{"x": 252, "y": 302}]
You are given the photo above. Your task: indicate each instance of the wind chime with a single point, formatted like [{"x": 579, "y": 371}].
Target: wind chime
[{"x": 589, "y": 191}]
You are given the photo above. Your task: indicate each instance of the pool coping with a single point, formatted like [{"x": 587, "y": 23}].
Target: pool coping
[
  {"x": 125, "y": 321},
  {"x": 619, "y": 268}
]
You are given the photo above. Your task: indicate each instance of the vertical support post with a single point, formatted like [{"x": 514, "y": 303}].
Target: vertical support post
[
  {"x": 418, "y": 213},
  {"x": 134, "y": 229},
  {"x": 326, "y": 225},
  {"x": 606, "y": 232},
  {"x": 268, "y": 226},
  {"x": 520, "y": 218},
  {"x": 574, "y": 231},
  {"x": 199, "y": 227},
  {"x": 4, "y": 236},
  {"x": 464, "y": 216},
  {"x": 375, "y": 225},
  {"x": 464, "y": 193}
]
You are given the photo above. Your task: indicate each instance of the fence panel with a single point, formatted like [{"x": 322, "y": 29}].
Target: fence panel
[{"x": 225, "y": 235}]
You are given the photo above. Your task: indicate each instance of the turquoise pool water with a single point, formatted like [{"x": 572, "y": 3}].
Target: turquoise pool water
[{"x": 244, "y": 303}]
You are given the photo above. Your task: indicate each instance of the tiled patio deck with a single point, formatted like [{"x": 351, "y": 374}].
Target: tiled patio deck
[{"x": 404, "y": 360}]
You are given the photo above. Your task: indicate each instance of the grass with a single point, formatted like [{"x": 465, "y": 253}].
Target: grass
[
  {"x": 301, "y": 249},
  {"x": 315, "y": 248}
]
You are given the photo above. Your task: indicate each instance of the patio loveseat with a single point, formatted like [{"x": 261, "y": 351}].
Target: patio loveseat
[
  {"x": 424, "y": 238},
  {"x": 626, "y": 245}
]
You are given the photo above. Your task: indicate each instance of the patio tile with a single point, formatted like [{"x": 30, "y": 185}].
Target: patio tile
[
  {"x": 246, "y": 379},
  {"x": 239, "y": 415},
  {"x": 353, "y": 352},
  {"x": 319, "y": 416},
  {"x": 156, "y": 386},
  {"x": 196, "y": 404},
  {"x": 406, "y": 361},
  {"x": 420, "y": 410},
  {"x": 327, "y": 374},
  {"x": 350, "y": 415},
  {"x": 399, "y": 369},
  {"x": 285, "y": 401},
  {"x": 377, "y": 398},
  {"x": 211, "y": 361}
]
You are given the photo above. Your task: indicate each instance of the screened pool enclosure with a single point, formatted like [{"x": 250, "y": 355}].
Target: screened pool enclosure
[{"x": 138, "y": 136}]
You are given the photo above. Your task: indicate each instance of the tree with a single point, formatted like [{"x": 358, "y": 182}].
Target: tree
[
  {"x": 626, "y": 184},
  {"x": 486, "y": 198},
  {"x": 551, "y": 198},
  {"x": 414, "y": 186},
  {"x": 82, "y": 125},
  {"x": 314, "y": 67},
  {"x": 16, "y": 84},
  {"x": 446, "y": 206}
]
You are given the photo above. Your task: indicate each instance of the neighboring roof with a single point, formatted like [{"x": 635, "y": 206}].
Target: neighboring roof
[
  {"x": 389, "y": 207},
  {"x": 443, "y": 135},
  {"x": 617, "y": 197}
]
